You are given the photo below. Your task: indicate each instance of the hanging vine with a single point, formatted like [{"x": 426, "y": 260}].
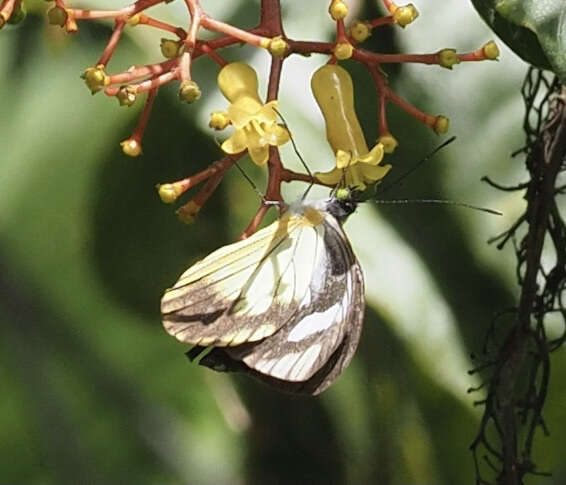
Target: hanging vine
[{"x": 516, "y": 359}]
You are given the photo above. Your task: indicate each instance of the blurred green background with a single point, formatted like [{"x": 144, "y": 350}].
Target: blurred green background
[{"x": 94, "y": 391}]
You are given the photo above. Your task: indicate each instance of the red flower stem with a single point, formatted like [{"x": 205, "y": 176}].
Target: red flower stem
[
  {"x": 290, "y": 176},
  {"x": 151, "y": 22},
  {"x": 156, "y": 82},
  {"x": 185, "y": 66},
  {"x": 216, "y": 167},
  {"x": 112, "y": 43},
  {"x": 274, "y": 78},
  {"x": 382, "y": 94},
  {"x": 139, "y": 72},
  {"x": 425, "y": 118},
  {"x": 144, "y": 118},
  {"x": 381, "y": 21},
  {"x": 306, "y": 47},
  {"x": 196, "y": 18},
  {"x": 270, "y": 23},
  {"x": 88, "y": 14},
  {"x": 6, "y": 9},
  {"x": 371, "y": 58},
  {"x": 385, "y": 94},
  {"x": 191, "y": 40},
  {"x": 275, "y": 167},
  {"x": 217, "y": 44},
  {"x": 255, "y": 222},
  {"x": 341, "y": 36},
  {"x": 390, "y": 6},
  {"x": 475, "y": 56},
  {"x": 210, "y": 186},
  {"x": 212, "y": 54},
  {"x": 126, "y": 12},
  {"x": 242, "y": 35}
]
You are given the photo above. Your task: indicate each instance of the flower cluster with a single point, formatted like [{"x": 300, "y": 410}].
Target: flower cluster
[{"x": 253, "y": 118}]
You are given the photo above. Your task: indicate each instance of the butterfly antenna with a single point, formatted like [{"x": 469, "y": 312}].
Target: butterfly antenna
[
  {"x": 251, "y": 182},
  {"x": 416, "y": 165},
  {"x": 440, "y": 202},
  {"x": 296, "y": 152},
  {"x": 257, "y": 191}
]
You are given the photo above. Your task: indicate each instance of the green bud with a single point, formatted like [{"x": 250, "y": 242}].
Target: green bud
[
  {"x": 170, "y": 48},
  {"x": 95, "y": 78},
  {"x": 127, "y": 95}
]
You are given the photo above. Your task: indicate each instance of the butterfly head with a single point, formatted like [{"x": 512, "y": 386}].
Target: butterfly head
[{"x": 343, "y": 203}]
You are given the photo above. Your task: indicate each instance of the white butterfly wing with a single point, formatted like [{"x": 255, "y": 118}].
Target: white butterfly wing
[{"x": 243, "y": 292}]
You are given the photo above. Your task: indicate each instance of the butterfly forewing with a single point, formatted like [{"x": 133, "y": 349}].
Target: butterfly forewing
[{"x": 242, "y": 291}]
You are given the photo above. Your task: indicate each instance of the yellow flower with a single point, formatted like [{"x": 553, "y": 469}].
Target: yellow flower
[
  {"x": 356, "y": 172},
  {"x": 255, "y": 123},
  {"x": 356, "y": 166}
]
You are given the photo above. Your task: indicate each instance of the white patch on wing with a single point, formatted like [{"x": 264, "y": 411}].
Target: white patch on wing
[
  {"x": 294, "y": 366},
  {"x": 281, "y": 369},
  {"x": 267, "y": 366},
  {"x": 315, "y": 322},
  {"x": 302, "y": 370}
]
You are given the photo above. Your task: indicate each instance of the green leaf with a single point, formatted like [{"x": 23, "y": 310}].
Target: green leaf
[{"x": 534, "y": 29}]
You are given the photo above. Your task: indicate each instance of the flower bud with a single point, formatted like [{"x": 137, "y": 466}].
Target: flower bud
[
  {"x": 405, "y": 15},
  {"x": 131, "y": 147},
  {"x": 219, "y": 120},
  {"x": 278, "y": 47},
  {"x": 343, "y": 50},
  {"x": 338, "y": 9},
  {"x": 490, "y": 50},
  {"x": 134, "y": 20},
  {"x": 447, "y": 58},
  {"x": 95, "y": 78},
  {"x": 360, "y": 31},
  {"x": 189, "y": 92},
  {"x": 441, "y": 125},
  {"x": 188, "y": 212},
  {"x": 389, "y": 142},
  {"x": 170, "y": 48},
  {"x": 127, "y": 95},
  {"x": 168, "y": 193}
]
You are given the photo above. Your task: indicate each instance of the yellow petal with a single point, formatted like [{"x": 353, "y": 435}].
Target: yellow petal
[
  {"x": 373, "y": 173},
  {"x": 330, "y": 178},
  {"x": 374, "y": 156},
  {"x": 268, "y": 113},
  {"x": 236, "y": 143},
  {"x": 238, "y": 79},
  {"x": 243, "y": 110},
  {"x": 259, "y": 154},
  {"x": 276, "y": 135},
  {"x": 344, "y": 159},
  {"x": 333, "y": 89},
  {"x": 354, "y": 178}
]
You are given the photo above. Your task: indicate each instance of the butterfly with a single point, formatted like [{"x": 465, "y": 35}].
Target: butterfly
[{"x": 285, "y": 305}]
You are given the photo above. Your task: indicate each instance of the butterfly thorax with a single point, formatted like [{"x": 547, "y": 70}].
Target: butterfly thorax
[{"x": 313, "y": 211}]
